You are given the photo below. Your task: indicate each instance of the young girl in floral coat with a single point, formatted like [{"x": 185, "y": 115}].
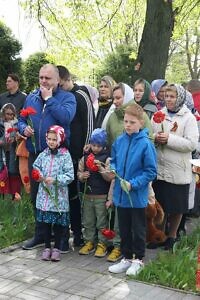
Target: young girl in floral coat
[{"x": 53, "y": 168}]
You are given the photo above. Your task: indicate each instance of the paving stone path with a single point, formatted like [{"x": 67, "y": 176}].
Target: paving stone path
[{"x": 24, "y": 276}]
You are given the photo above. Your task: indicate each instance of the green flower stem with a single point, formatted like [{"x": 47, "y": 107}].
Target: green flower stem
[
  {"x": 122, "y": 182},
  {"x": 54, "y": 199},
  {"x": 30, "y": 123}
]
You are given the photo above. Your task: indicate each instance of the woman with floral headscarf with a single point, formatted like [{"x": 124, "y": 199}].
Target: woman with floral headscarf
[
  {"x": 176, "y": 137},
  {"x": 53, "y": 168}
]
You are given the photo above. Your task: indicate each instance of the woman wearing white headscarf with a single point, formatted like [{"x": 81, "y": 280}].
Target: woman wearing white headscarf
[{"x": 175, "y": 138}]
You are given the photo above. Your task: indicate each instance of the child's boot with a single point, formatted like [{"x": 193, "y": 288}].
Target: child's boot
[
  {"x": 101, "y": 250},
  {"x": 87, "y": 249}
]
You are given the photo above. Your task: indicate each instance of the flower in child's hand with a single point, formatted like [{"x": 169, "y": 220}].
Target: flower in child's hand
[
  {"x": 36, "y": 174},
  {"x": 108, "y": 233},
  {"x": 17, "y": 197},
  {"x": 26, "y": 179},
  {"x": 12, "y": 129},
  {"x": 125, "y": 185},
  {"x": 90, "y": 164}
]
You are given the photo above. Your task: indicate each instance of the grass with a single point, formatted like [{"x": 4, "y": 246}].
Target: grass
[
  {"x": 16, "y": 220},
  {"x": 177, "y": 269}
]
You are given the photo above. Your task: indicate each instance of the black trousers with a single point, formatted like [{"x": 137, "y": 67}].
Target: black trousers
[
  {"x": 75, "y": 204},
  {"x": 58, "y": 232},
  {"x": 132, "y": 228}
]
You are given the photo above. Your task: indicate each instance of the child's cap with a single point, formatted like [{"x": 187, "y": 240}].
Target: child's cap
[
  {"x": 60, "y": 132},
  {"x": 98, "y": 137}
]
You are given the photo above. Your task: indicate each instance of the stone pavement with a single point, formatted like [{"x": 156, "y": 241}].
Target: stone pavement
[{"x": 24, "y": 276}]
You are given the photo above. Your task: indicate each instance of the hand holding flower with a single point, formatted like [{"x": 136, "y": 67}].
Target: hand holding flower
[
  {"x": 109, "y": 203},
  {"x": 85, "y": 175},
  {"x": 49, "y": 180},
  {"x": 28, "y": 131},
  {"x": 125, "y": 185},
  {"x": 162, "y": 137}
]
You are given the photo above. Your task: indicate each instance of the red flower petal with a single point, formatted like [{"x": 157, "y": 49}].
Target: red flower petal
[
  {"x": 26, "y": 179},
  {"x": 27, "y": 112},
  {"x": 35, "y": 174},
  {"x": 158, "y": 117},
  {"x": 108, "y": 233},
  {"x": 90, "y": 163}
]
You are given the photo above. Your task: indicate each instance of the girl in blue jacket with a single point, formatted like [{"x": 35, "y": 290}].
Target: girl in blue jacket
[{"x": 134, "y": 161}]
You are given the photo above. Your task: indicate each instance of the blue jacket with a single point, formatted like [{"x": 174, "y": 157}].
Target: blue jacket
[
  {"x": 57, "y": 110},
  {"x": 134, "y": 159},
  {"x": 59, "y": 167}
]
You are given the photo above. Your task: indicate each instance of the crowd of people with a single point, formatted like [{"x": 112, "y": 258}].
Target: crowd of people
[{"x": 95, "y": 158}]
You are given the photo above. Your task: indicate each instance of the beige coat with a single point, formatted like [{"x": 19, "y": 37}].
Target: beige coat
[{"x": 174, "y": 158}]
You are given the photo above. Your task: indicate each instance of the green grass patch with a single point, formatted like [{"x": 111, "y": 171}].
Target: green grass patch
[
  {"x": 16, "y": 220},
  {"x": 177, "y": 269}
]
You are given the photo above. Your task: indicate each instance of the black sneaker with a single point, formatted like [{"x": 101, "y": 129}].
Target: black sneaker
[
  {"x": 169, "y": 243},
  {"x": 64, "y": 246},
  {"x": 32, "y": 244},
  {"x": 78, "y": 241}
]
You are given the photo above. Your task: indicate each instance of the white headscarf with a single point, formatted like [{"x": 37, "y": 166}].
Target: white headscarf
[{"x": 128, "y": 96}]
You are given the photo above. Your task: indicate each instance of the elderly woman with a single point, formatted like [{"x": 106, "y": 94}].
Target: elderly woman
[{"x": 175, "y": 137}]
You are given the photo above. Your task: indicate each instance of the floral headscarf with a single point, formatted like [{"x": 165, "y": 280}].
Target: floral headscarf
[
  {"x": 60, "y": 133},
  {"x": 181, "y": 96}
]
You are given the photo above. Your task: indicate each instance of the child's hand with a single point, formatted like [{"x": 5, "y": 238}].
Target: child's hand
[
  {"x": 49, "y": 180},
  {"x": 109, "y": 203},
  {"x": 125, "y": 185},
  {"x": 85, "y": 175}
]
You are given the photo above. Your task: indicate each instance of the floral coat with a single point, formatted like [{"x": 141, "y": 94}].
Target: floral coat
[{"x": 60, "y": 167}]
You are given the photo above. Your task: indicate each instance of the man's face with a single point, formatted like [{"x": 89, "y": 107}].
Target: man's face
[
  {"x": 11, "y": 85},
  {"x": 48, "y": 78},
  {"x": 66, "y": 84}
]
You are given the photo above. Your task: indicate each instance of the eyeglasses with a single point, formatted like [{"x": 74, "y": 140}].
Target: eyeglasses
[{"x": 44, "y": 77}]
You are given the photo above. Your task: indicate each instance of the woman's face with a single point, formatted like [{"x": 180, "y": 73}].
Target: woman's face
[
  {"x": 161, "y": 93},
  {"x": 104, "y": 90},
  {"x": 118, "y": 98},
  {"x": 138, "y": 92},
  {"x": 8, "y": 115},
  {"x": 170, "y": 99}
]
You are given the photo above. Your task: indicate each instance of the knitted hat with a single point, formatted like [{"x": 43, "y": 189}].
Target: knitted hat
[
  {"x": 60, "y": 133},
  {"x": 98, "y": 137}
]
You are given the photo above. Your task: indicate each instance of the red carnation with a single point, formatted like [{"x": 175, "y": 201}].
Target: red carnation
[
  {"x": 158, "y": 117},
  {"x": 197, "y": 117},
  {"x": 26, "y": 179},
  {"x": 11, "y": 129},
  {"x": 26, "y": 112},
  {"x": 108, "y": 233},
  {"x": 90, "y": 163},
  {"x": 35, "y": 174}
]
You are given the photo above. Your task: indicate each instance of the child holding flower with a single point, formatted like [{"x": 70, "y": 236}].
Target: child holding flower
[
  {"x": 133, "y": 159},
  {"x": 53, "y": 168},
  {"x": 8, "y": 151},
  {"x": 92, "y": 171}
]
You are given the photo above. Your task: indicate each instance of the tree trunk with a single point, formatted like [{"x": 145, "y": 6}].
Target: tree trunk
[{"x": 153, "y": 51}]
